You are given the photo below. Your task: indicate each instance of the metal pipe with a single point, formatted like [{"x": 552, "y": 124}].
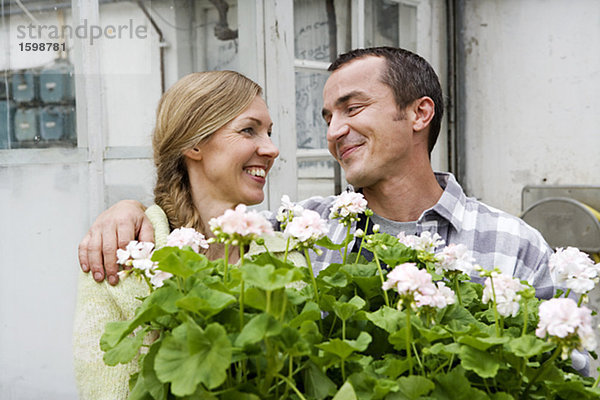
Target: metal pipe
[{"x": 161, "y": 44}]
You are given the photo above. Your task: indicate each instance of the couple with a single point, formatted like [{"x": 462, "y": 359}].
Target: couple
[{"x": 383, "y": 107}]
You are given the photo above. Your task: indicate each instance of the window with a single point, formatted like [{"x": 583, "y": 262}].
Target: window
[{"x": 37, "y": 85}]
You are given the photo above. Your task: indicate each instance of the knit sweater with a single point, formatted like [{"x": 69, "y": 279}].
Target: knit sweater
[{"x": 99, "y": 303}]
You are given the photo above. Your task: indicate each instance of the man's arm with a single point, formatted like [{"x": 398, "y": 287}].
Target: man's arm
[{"x": 113, "y": 229}]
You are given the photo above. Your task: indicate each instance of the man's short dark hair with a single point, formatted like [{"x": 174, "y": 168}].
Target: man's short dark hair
[{"x": 409, "y": 76}]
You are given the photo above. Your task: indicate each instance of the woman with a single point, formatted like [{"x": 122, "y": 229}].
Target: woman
[{"x": 212, "y": 151}]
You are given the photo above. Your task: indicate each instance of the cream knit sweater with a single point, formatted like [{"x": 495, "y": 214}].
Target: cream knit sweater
[{"x": 99, "y": 303}]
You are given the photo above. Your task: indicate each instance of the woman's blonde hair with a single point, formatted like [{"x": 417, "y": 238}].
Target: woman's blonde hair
[{"x": 188, "y": 113}]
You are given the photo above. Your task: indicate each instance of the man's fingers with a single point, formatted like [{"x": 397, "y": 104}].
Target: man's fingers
[
  {"x": 94, "y": 254},
  {"x": 146, "y": 230},
  {"x": 109, "y": 252},
  {"x": 82, "y": 252}
]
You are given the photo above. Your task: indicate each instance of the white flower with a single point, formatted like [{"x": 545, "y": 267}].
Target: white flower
[
  {"x": 347, "y": 206},
  {"x": 410, "y": 281},
  {"x": 573, "y": 269},
  {"x": 158, "y": 277},
  {"x": 140, "y": 250},
  {"x": 562, "y": 318},
  {"x": 288, "y": 210},
  {"x": 359, "y": 233},
  {"x": 307, "y": 227},
  {"x": 507, "y": 291},
  {"x": 187, "y": 237},
  {"x": 122, "y": 256},
  {"x": 144, "y": 264},
  {"x": 239, "y": 223},
  {"x": 455, "y": 257},
  {"x": 425, "y": 242},
  {"x": 376, "y": 228}
]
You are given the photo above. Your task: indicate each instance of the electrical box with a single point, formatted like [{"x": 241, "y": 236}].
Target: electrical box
[
  {"x": 56, "y": 83},
  {"x": 7, "y": 115},
  {"x": 26, "y": 124},
  {"x": 56, "y": 122},
  {"x": 24, "y": 86}
]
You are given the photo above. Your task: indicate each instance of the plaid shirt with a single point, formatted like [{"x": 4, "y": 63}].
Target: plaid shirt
[{"x": 495, "y": 238}]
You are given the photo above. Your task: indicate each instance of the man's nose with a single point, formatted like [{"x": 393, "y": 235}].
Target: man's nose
[{"x": 336, "y": 129}]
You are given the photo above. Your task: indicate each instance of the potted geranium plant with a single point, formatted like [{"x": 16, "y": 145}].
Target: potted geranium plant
[{"x": 407, "y": 325}]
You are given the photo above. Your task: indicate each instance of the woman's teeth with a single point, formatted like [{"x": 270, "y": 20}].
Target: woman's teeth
[{"x": 256, "y": 172}]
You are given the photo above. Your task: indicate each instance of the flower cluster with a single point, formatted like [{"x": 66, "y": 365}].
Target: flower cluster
[
  {"x": 561, "y": 318},
  {"x": 425, "y": 243},
  {"x": 416, "y": 285},
  {"x": 138, "y": 255},
  {"x": 347, "y": 206},
  {"x": 574, "y": 270},
  {"x": 505, "y": 291},
  {"x": 182, "y": 237},
  {"x": 287, "y": 211},
  {"x": 455, "y": 258},
  {"x": 239, "y": 226},
  {"x": 306, "y": 228}
]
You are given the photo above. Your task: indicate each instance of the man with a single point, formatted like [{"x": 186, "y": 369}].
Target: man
[{"x": 383, "y": 107}]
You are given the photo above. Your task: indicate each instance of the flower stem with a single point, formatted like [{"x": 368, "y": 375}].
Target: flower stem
[
  {"x": 287, "y": 247},
  {"x": 496, "y": 318},
  {"x": 312, "y": 276},
  {"x": 346, "y": 247},
  {"x": 581, "y": 300},
  {"x": 408, "y": 341},
  {"x": 291, "y": 385},
  {"x": 525, "y": 317},
  {"x": 385, "y": 296},
  {"x": 548, "y": 362},
  {"x": 226, "y": 263},
  {"x": 457, "y": 289},
  {"x": 242, "y": 288},
  {"x": 362, "y": 242},
  {"x": 567, "y": 293}
]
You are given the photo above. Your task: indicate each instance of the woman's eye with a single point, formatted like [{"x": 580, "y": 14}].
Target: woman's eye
[{"x": 249, "y": 131}]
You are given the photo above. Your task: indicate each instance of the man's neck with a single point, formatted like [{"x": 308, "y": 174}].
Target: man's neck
[{"x": 404, "y": 198}]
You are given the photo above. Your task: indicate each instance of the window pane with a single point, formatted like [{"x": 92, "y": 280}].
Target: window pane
[
  {"x": 391, "y": 23},
  {"x": 311, "y": 30},
  {"x": 37, "y": 87},
  {"x": 311, "y": 129}
]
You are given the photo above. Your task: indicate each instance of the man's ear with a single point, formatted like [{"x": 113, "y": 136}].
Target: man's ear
[
  {"x": 194, "y": 153},
  {"x": 424, "y": 109}
]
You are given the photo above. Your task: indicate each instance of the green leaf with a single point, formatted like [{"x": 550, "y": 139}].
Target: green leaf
[
  {"x": 116, "y": 331},
  {"x": 483, "y": 343},
  {"x": 259, "y": 327},
  {"x": 344, "y": 348},
  {"x": 345, "y": 310},
  {"x": 482, "y": 363},
  {"x": 183, "y": 263},
  {"x": 501, "y": 396},
  {"x": 165, "y": 297},
  {"x": 412, "y": 388},
  {"x": 186, "y": 367},
  {"x": 317, "y": 385},
  {"x": 346, "y": 392},
  {"x": 206, "y": 301},
  {"x": 455, "y": 386},
  {"x": 387, "y": 318},
  {"x": 266, "y": 277},
  {"x": 310, "y": 312},
  {"x": 125, "y": 350},
  {"x": 156, "y": 388},
  {"x": 328, "y": 244},
  {"x": 528, "y": 346}
]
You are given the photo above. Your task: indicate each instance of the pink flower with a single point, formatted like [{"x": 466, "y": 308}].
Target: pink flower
[
  {"x": 287, "y": 211},
  {"x": 347, "y": 206},
  {"x": 307, "y": 227},
  {"x": 507, "y": 291},
  {"x": 135, "y": 251},
  {"x": 562, "y": 318},
  {"x": 239, "y": 223},
  {"x": 573, "y": 269},
  {"x": 187, "y": 237},
  {"x": 425, "y": 242},
  {"x": 158, "y": 277},
  {"x": 455, "y": 257},
  {"x": 412, "y": 282},
  {"x": 441, "y": 297}
]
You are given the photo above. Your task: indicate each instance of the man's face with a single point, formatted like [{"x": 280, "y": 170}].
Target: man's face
[{"x": 366, "y": 133}]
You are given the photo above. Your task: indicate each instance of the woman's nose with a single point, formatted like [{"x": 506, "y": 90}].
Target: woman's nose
[{"x": 267, "y": 148}]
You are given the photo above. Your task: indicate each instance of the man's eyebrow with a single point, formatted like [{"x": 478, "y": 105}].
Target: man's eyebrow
[{"x": 344, "y": 99}]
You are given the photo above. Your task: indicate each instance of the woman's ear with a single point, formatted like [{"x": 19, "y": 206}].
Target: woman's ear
[
  {"x": 424, "y": 109},
  {"x": 194, "y": 153}
]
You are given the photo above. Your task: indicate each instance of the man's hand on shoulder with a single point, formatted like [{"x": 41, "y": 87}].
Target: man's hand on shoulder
[{"x": 113, "y": 229}]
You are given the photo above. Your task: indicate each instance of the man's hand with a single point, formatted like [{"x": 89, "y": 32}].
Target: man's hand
[{"x": 113, "y": 229}]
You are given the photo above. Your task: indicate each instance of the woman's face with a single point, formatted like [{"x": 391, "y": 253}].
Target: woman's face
[{"x": 236, "y": 159}]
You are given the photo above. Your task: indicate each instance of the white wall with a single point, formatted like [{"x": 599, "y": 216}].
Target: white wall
[{"x": 532, "y": 105}]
